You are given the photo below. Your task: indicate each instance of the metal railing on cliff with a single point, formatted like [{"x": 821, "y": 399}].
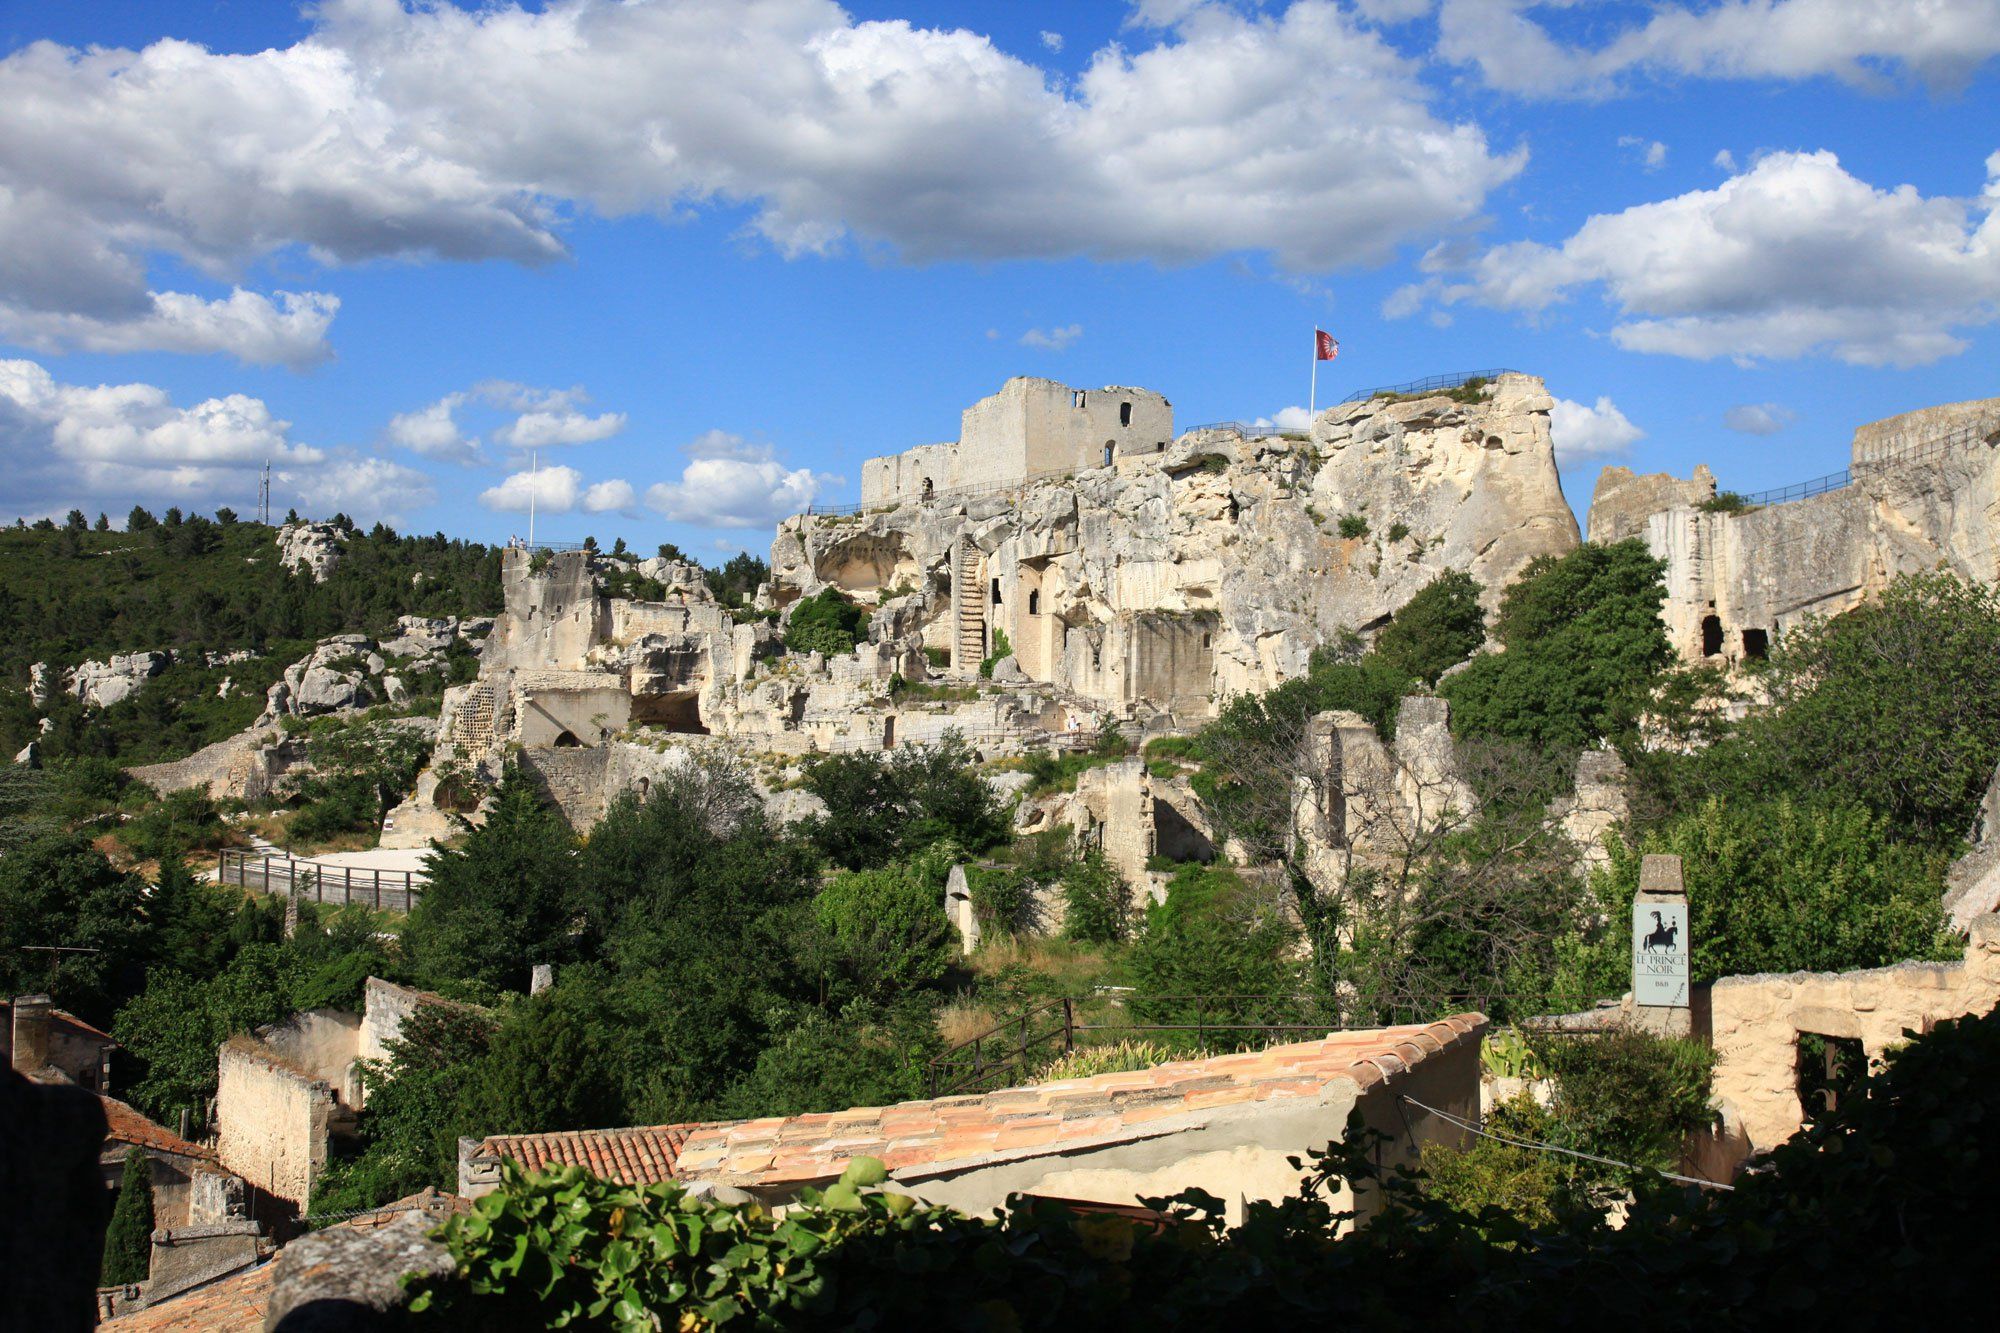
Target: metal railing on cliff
[{"x": 1912, "y": 449}]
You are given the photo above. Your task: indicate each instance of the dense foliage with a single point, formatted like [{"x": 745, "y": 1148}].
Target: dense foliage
[
  {"x": 1583, "y": 642},
  {"x": 195, "y": 587},
  {"x": 826, "y": 623},
  {"x": 1875, "y": 1215},
  {"x": 128, "y": 1241},
  {"x": 881, "y": 807}
]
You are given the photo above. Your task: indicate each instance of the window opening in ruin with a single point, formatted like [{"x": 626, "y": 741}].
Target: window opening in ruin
[
  {"x": 1206, "y": 638},
  {"x": 645, "y": 788},
  {"x": 1756, "y": 644},
  {"x": 1076, "y": 398},
  {"x": 1096, "y": 658},
  {"x": 1109, "y": 447},
  {"x": 927, "y": 485},
  {"x": 1829, "y": 1070},
  {"x": 996, "y": 592},
  {"x": 1034, "y": 602},
  {"x": 1711, "y": 635},
  {"x": 1124, "y": 414},
  {"x": 568, "y": 741}
]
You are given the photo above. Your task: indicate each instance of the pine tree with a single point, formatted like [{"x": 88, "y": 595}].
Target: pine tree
[{"x": 128, "y": 1242}]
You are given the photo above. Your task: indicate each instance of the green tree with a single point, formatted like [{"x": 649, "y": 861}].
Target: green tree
[
  {"x": 825, "y": 623},
  {"x": 1895, "y": 704},
  {"x": 1096, "y": 903},
  {"x": 887, "y": 927},
  {"x": 1435, "y": 630},
  {"x": 60, "y": 890},
  {"x": 128, "y": 1241},
  {"x": 1781, "y": 886},
  {"x": 1214, "y": 935},
  {"x": 502, "y": 902},
  {"x": 886, "y": 807},
  {"x": 1583, "y": 644}
]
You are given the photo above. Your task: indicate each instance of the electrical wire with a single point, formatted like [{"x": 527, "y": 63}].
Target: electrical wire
[{"x": 1550, "y": 1147}]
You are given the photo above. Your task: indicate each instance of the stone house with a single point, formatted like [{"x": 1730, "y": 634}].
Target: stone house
[
  {"x": 44, "y": 1041},
  {"x": 1228, "y": 1124},
  {"x": 1030, "y": 428}
]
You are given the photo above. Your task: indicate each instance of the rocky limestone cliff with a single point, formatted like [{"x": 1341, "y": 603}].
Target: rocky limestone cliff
[
  {"x": 1170, "y": 581},
  {"x": 312, "y": 547}
]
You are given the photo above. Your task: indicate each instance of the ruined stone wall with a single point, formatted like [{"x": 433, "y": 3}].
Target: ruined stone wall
[
  {"x": 1887, "y": 436},
  {"x": 553, "y": 616},
  {"x": 894, "y": 478},
  {"x": 1756, "y": 1022},
  {"x": 322, "y": 1044},
  {"x": 1623, "y": 501},
  {"x": 273, "y": 1122}
]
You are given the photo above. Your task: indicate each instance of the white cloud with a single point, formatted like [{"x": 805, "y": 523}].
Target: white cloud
[
  {"x": 609, "y": 496},
  {"x": 552, "y": 490},
  {"x": 434, "y": 432},
  {"x": 1052, "y": 339},
  {"x": 1726, "y": 160},
  {"x": 1941, "y": 42},
  {"x": 732, "y": 483},
  {"x": 1052, "y": 40},
  {"x": 1794, "y": 257},
  {"x": 1758, "y": 418},
  {"x": 1651, "y": 151},
  {"x": 110, "y": 446},
  {"x": 362, "y": 488},
  {"x": 1593, "y": 431},
  {"x": 1287, "y": 418},
  {"x": 440, "y": 132},
  {"x": 541, "y": 429},
  {"x": 290, "y": 331},
  {"x": 1394, "y": 11}
]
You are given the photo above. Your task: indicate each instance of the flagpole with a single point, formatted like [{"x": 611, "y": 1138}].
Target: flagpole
[
  {"x": 1312, "y": 395},
  {"x": 534, "y": 470}
]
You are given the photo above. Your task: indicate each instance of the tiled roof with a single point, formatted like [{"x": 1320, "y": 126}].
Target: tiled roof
[
  {"x": 233, "y": 1305},
  {"x": 127, "y": 1125},
  {"x": 639, "y": 1156},
  {"x": 953, "y": 1133},
  {"x": 68, "y": 1019}
]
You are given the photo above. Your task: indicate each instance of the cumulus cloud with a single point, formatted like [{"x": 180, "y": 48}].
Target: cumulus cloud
[
  {"x": 1590, "y": 431},
  {"x": 1940, "y": 42},
  {"x": 542, "y": 428},
  {"x": 1287, "y": 418},
  {"x": 1758, "y": 418},
  {"x": 1650, "y": 151},
  {"x": 549, "y": 490},
  {"x": 732, "y": 483},
  {"x": 1726, "y": 160},
  {"x": 1794, "y": 257},
  {"x": 288, "y": 331},
  {"x": 433, "y": 431},
  {"x": 109, "y": 446},
  {"x": 1052, "y": 40},
  {"x": 610, "y": 496},
  {"x": 1053, "y": 339},
  {"x": 441, "y": 132},
  {"x": 542, "y": 419}
]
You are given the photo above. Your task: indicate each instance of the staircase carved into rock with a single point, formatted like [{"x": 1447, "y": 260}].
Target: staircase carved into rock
[{"x": 970, "y": 648}]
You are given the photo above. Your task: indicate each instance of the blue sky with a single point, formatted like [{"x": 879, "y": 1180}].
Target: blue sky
[{"x": 711, "y": 255}]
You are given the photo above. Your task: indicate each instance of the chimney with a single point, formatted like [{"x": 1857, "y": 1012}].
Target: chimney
[
  {"x": 541, "y": 978},
  {"x": 31, "y": 1032}
]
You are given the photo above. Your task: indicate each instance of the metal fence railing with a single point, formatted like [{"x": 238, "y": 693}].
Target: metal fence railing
[
  {"x": 1912, "y": 449},
  {"x": 320, "y": 882},
  {"x": 1455, "y": 379}
]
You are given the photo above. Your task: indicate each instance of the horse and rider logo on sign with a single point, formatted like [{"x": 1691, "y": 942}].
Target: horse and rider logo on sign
[{"x": 1660, "y": 954}]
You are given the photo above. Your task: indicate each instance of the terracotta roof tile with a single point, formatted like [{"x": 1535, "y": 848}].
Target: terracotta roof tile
[
  {"x": 233, "y": 1305},
  {"x": 1018, "y": 1122},
  {"x": 127, "y": 1125}
]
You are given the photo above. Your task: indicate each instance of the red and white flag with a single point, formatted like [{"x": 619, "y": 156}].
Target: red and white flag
[{"x": 1324, "y": 347}]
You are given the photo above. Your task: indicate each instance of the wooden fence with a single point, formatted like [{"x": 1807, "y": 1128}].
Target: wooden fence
[{"x": 320, "y": 882}]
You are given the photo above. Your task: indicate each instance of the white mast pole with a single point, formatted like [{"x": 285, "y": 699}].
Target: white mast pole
[
  {"x": 534, "y": 477},
  {"x": 1312, "y": 395}
]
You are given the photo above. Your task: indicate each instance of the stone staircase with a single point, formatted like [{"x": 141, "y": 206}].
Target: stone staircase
[{"x": 971, "y": 645}]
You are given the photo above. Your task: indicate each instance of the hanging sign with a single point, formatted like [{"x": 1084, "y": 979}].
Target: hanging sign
[{"x": 1660, "y": 947}]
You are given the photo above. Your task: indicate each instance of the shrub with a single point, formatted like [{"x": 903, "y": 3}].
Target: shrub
[
  {"x": 1001, "y": 648},
  {"x": 1628, "y": 1094},
  {"x": 887, "y": 927},
  {"x": 1435, "y": 630},
  {"x": 182, "y": 822},
  {"x": 128, "y": 1242},
  {"x": 825, "y": 623},
  {"x": 1118, "y": 1058},
  {"x": 1096, "y": 902},
  {"x": 1353, "y": 525}
]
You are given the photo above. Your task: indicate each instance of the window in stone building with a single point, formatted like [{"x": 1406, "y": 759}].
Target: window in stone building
[
  {"x": 568, "y": 741},
  {"x": 1076, "y": 398},
  {"x": 1711, "y": 635},
  {"x": 1124, "y": 414},
  {"x": 1756, "y": 644},
  {"x": 1829, "y": 1069},
  {"x": 927, "y": 486},
  {"x": 1034, "y": 602},
  {"x": 996, "y": 592},
  {"x": 1109, "y": 447}
]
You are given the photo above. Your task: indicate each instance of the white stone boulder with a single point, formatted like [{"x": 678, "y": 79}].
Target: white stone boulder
[{"x": 101, "y": 684}]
